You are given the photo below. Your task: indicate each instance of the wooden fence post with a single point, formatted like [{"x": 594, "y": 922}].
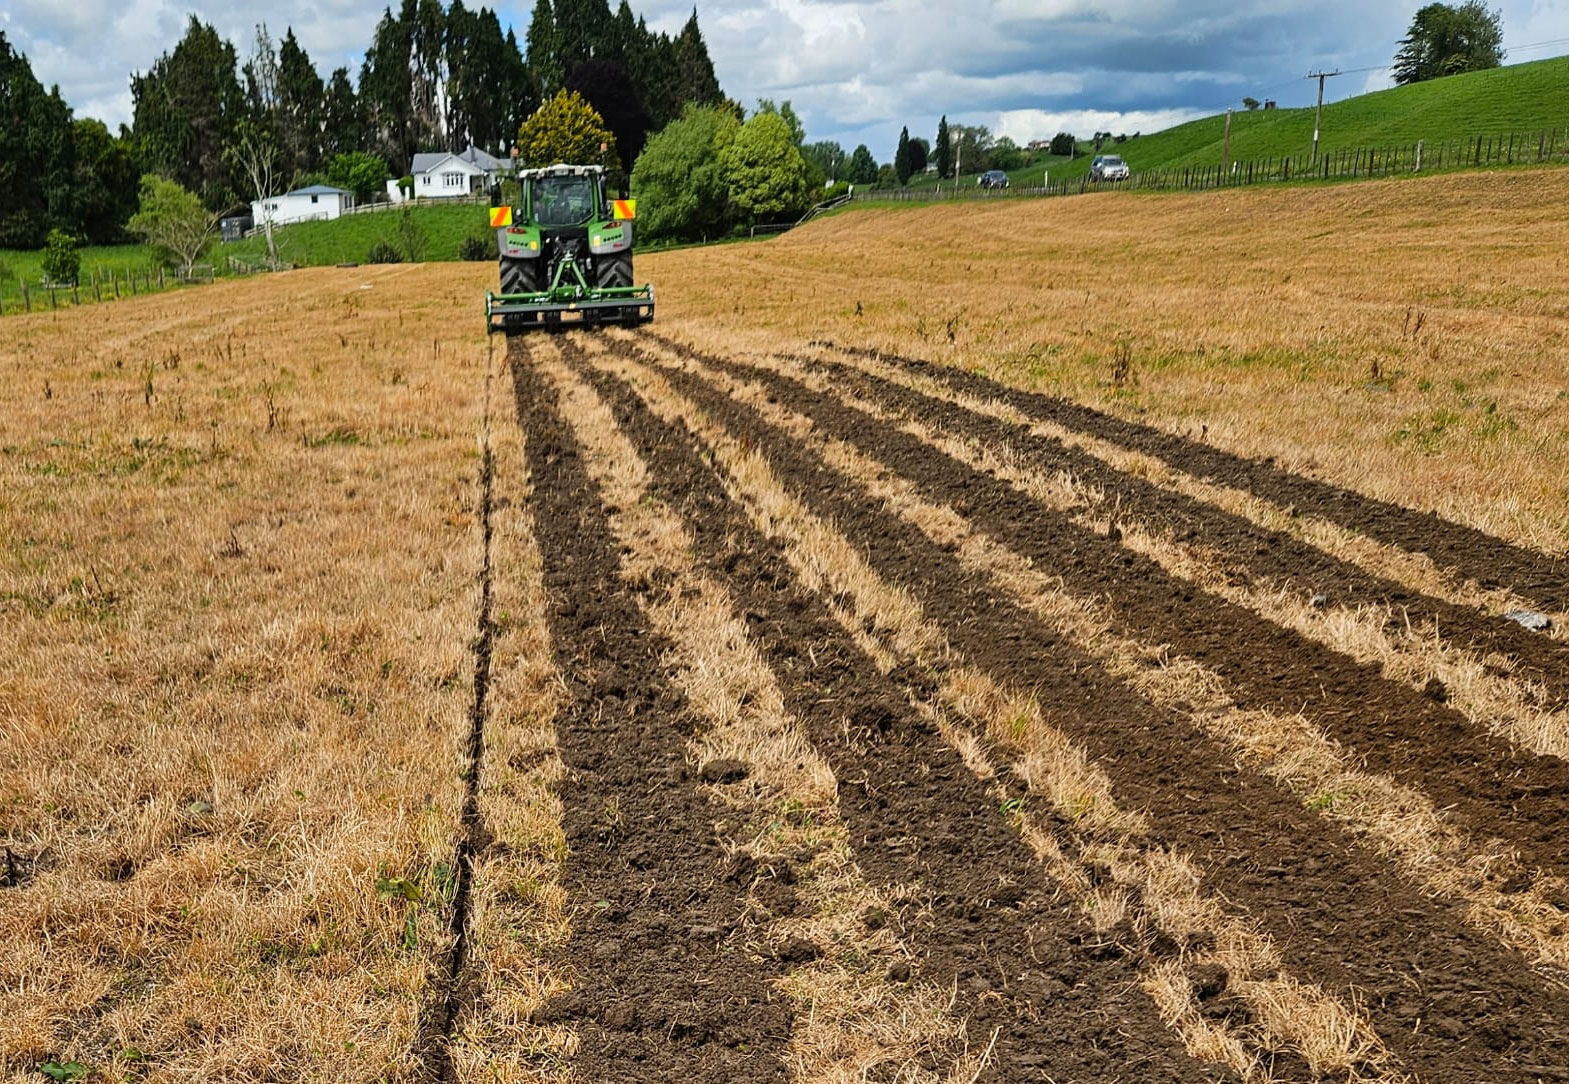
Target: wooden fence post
[
  {"x": 27, "y": 301},
  {"x": 98, "y": 293},
  {"x": 76, "y": 298},
  {"x": 160, "y": 276}
]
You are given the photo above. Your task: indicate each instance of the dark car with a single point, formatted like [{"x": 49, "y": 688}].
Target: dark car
[{"x": 993, "y": 178}]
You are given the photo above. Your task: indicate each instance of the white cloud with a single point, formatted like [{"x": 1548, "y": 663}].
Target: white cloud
[
  {"x": 1024, "y": 125},
  {"x": 856, "y": 70}
]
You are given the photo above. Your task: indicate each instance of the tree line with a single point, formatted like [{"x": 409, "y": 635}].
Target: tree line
[{"x": 434, "y": 78}]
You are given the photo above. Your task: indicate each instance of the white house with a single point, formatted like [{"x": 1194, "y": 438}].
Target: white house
[
  {"x": 441, "y": 175},
  {"x": 303, "y": 205}
]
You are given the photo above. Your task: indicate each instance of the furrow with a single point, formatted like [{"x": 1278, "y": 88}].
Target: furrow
[
  {"x": 1465, "y": 551},
  {"x": 790, "y": 850},
  {"x": 1304, "y": 880},
  {"x": 518, "y": 918},
  {"x": 1503, "y": 678},
  {"x": 662, "y": 986},
  {"x": 978, "y": 914},
  {"x": 1495, "y": 792},
  {"x": 1137, "y": 893},
  {"x": 448, "y": 985}
]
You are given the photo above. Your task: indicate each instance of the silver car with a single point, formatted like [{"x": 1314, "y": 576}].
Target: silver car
[{"x": 1108, "y": 167}]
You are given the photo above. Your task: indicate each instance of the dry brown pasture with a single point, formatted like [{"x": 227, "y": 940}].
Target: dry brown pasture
[{"x": 899, "y": 662}]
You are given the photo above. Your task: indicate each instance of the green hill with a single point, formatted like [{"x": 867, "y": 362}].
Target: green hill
[
  {"x": 349, "y": 239},
  {"x": 1520, "y": 98}
]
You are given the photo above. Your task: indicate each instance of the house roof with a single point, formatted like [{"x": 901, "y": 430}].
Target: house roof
[
  {"x": 428, "y": 161},
  {"x": 319, "y": 190}
]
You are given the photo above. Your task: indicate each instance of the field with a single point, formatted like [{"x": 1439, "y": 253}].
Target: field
[{"x": 908, "y": 659}]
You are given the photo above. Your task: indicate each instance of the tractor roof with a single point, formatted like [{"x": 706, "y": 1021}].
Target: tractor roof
[{"x": 561, "y": 169}]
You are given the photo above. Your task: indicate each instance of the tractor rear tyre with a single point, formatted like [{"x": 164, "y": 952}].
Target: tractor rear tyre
[
  {"x": 614, "y": 271},
  {"x": 520, "y": 276}
]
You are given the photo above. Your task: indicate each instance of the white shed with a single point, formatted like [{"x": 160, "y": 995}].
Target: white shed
[{"x": 303, "y": 205}]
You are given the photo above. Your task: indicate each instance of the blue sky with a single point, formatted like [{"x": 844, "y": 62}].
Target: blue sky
[{"x": 859, "y": 71}]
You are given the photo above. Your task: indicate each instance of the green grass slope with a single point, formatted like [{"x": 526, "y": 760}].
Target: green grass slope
[
  {"x": 349, "y": 239},
  {"x": 1519, "y": 98}
]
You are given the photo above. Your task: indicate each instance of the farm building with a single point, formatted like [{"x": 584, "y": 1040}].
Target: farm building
[
  {"x": 441, "y": 175},
  {"x": 318, "y": 201}
]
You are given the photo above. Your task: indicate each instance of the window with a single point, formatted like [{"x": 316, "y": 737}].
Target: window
[
  {"x": 452, "y": 180},
  {"x": 315, "y": 199},
  {"x": 563, "y": 201}
]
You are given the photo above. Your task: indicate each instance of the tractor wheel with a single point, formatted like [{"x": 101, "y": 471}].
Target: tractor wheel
[
  {"x": 519, "y": 276},
  {"x": 613, "y": 270}
]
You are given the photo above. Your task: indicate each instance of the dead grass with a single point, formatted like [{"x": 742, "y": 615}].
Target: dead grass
[
  {"x": 1402, "y": 338},
  {"x": 237, "y": 578},
  {"x": 519, "y": 914},
  {"x": 1154, "y": 890}
]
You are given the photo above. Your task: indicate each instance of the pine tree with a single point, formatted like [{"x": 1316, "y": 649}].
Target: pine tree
[
  {"x": 696, "y": 81},
  {"x": 942, "y": 152},
  {"x": 582, "y": 29},
  {"x": 36, "y": 155},
  {"x": 520, "y": 95},
  {"x": 544, "y": 50},
  {"x": 186, "y": 110},
  {"x": 901, "y": 157},
  {"x": 385, "y": 90},
  {"x": 428, "y": 75},
  {"x": 300, "y": 108},
  {"x": 343, "y": 126}
]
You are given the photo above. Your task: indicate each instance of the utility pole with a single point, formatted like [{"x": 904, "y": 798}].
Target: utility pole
[{"x": 1320, "y": 75}]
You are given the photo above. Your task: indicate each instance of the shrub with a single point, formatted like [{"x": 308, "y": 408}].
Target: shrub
[
  {"x": 382, "y": 252},
  {"x": 412, "y": 241},
  {"x": 62, "y": 263},
  {"x": 478, "y": 248}
]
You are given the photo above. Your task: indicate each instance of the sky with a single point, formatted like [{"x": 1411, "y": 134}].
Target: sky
[{"x": 857, "y": 72}]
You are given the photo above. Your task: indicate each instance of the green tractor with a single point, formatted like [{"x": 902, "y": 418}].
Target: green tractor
[{"x": 566, "y": 255}]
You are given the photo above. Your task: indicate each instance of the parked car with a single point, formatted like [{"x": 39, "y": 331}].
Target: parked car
[
  {"x": 1108, "y": 167},
  {"x": 993, "y": 178}
]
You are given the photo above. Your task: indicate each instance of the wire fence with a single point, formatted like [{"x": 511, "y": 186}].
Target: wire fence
[{"x": 1424, "y": 156}]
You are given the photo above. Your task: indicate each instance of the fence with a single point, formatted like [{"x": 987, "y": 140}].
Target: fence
[
  {"x": 102, "y": 284},
  {"x": 1547, "y": 145}
]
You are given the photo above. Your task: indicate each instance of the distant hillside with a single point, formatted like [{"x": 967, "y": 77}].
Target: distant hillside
[{"x": 1518, "y": 98}]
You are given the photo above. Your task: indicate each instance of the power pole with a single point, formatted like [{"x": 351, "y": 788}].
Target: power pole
[{"x": 1319, "y": 116}]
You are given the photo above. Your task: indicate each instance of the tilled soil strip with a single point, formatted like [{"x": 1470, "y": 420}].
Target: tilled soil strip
[
  {"x": 663, "y": 992},
  {"x": 1471, "y": 553},
  {"x": 1450, "y": 1003},
  {"x": 814, "y": 908},
  {"x": 1502, "y": 899},
  {"x": 1246, "y": 549},
  {"x": 1058, "y": 1000},
  {"x": 1494, "y": 791},
  {"x": 1379, "y": 559},
  {"x": 1133, "y": 890}
]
